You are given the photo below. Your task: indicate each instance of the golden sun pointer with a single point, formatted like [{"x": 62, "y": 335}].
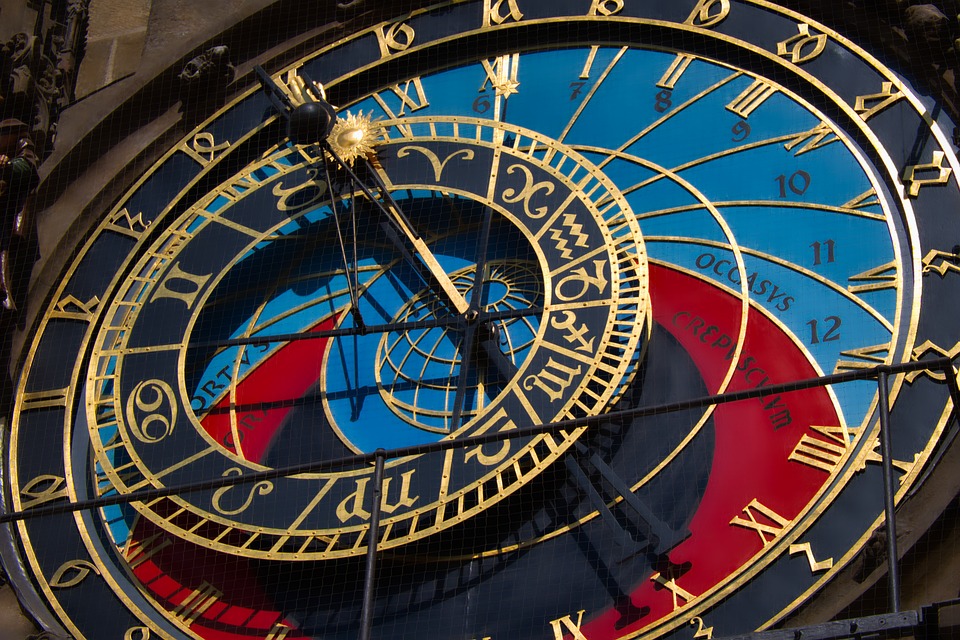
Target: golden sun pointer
[{"x": 354, "y": 136}]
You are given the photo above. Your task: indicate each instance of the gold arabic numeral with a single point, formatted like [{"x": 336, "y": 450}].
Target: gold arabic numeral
[
  {"x": 137, "y": 633},
  {"x": 883, "y": 277},
  {"x": 204, "y": 148},
  {"x": 674, "y": 72},
  {"x": 499, "y": 11},
  {"x": 72, "y": 308},
  {"x": 149, "y": 397},
  {"x": 301, "y": 196},
  {"x": 751, "y": 98},
  {"x": 871, "y": 104},
  {"x": 912, "y": 180},
  {"x": 500, "y": 420},
  {"x": 605, "y": 7},
  {"x": 71, "y": 573},
  {"x": 395, "y": 37},
  {"x": 435, "y": 162},
  {"x": 197, "y": 603},
  {"x": 930, "y": 348},
  {"x": 797, "y": 183},
  {"x": 553, "y": 379},
  {"x": 761, "y": 519},
  {"x": 511, "y": 195},
  {"x": 31, "y": 400},
  {"x": 703, "y": 631},
  {"x": 574, "y": 230},
  {"x": 832, "y": 332},
  {"x": 176, "y": 278},
  {"x": 807, "y": 550},
  {"x": 42, "y": 489},
  {"x": 820, "y": 136},
  {"x": 128, "y": 225},
  {"x": 708, "y": 13},
  {"x": 864, "y": 358},
  {"x": 137, "y": 552},
  {"x": 262, "y": 488},
  {"x": 942, "y": 262},
  {"x": 819, "y": 453},
  {"x": 575, "y": 335},
  {"x": 802, "y": 47},
  {"x": 502, "y": 74},
  {"x": 577, "y": 283},
  {"x": 679, "y": 595},
  {"x": 572, "y": 628},
  {"x": 353, "y": 505}
]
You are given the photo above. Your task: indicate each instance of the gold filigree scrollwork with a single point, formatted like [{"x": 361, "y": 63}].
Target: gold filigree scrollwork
[
  {"x": 149, "y": 397},
  {"x": 71, "y": 573},
  {"x": 395, "y": 37},
  {"x": 530, "y": 187},
  {"x": 793, "y": 47},
  {"x": 262, "y": 488},
  {"x": 435, "y": 161},
  {"x": 708, "y": 13}
]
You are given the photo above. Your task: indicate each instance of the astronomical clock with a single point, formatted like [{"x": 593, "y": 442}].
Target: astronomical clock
[{"x": 502, "y": 246}]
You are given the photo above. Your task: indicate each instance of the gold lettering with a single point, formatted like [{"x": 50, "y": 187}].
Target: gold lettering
[
  {"x": 477, "y": 452},
  {"x": 575, "y": 230},
  {"x": 43, "y": 399},
  {"x": 807, "y": 550},
  {"x": 675, "y": 71},
  {"x": 583, "y": 282},
  {"x": 939, "y": 164},
  {"x": 511, "y": 195},
  {"x": 123, "y": 222},
  {"x": 147, "y": 397},
  {"x": 137, "y": 633},
  {"x": 197, "y": 603},
  {"x": 415, "y": 102},
  {"x": 677, "y": 592},
  {"x": 821, "y": 137},
  {"x": 948, "y": 261},
  {"x": 751, "y": 98},
  {"x": 771, "y": 524},
  {"x": 585, "y": 73},
  {"x": 71, "y": 573},
  {"x": 703, "y": 631},
  {"x": 261, "y": 488},
  {"x": 882, "y": 277},
  {"x": 178, "y": 274},
  {"x": 866, "y": 357},
  {"x": 318, "y": 190},
  {"x": 435, "y": 162},
  {"x": 818, "y": 453},
  {"x": 42, "y": 489},
  {"x": 576, "y": 334},
  {"x": 794, "y": 45},
  {"x": 553, "y": 379},
  {"x": 71, "y": 308},
  {"x": 503, "y": 74},
  {"x": 708, "y": 13},
  {"x": 871, "y": 104},
  {"x": 927, "y": 348},
  {"x": 352, "y": 505},
  {"x": 493, "y": 12},
  {"x": 605, "y": 7},
  {"x": 396, "y": 37},
  {"x": 203, "y": 148},
  {"x": 566, "y": 622}
]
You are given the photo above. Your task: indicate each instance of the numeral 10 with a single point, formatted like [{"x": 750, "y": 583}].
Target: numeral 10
[{"x": 817, "y": 251}]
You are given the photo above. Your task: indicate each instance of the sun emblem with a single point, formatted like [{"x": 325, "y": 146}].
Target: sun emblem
[{"x": 354, "y": 136}]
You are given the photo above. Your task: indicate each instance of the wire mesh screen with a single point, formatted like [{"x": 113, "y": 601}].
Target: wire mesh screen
[{"x": 495, "y": 319}]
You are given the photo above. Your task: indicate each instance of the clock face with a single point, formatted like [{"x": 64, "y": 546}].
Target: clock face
[{"x": 543, "y": 212}]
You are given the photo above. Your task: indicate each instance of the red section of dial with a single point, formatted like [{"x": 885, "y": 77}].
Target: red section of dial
[
  {"x": 754, "y": 488},
  {"x": 267, "y": 391}
]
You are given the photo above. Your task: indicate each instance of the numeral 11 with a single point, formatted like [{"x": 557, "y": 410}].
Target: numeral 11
[{"x": 817, "y": 255}]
